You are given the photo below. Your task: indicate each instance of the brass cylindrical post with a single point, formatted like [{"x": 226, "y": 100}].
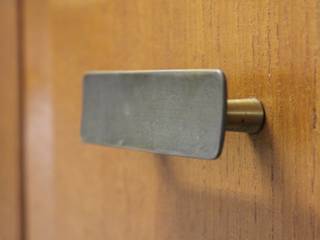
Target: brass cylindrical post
[{"x": 245, "y": 115}]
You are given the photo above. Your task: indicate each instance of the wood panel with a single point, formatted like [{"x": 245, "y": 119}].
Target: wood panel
[
  {"x": 10, "y": 187},
  {"x": 262, "y": 187}
]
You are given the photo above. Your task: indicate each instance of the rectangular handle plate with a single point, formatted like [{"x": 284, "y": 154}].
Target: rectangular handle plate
[{"x": 176, "y": 112}]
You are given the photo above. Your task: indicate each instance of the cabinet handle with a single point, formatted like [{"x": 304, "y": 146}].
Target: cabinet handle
[{"x": 174, "y": 112}]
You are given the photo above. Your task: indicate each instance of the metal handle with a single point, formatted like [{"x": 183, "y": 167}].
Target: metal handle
[
  {"x": 175, "y": 112},
  {"x": 245, "y": 115}
]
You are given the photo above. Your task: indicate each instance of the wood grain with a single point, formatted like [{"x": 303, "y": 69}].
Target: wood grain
[
  {"x": 262, "y": 187},
  {"x": 10, "y": 187}
]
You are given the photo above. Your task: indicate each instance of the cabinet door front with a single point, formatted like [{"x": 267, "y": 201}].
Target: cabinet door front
[{"x": 263, "y": 186}]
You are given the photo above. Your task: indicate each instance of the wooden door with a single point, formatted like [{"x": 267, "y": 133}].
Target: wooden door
[
  {"x": 11, "y": 200},
  {"x": 262, "y": 187}
]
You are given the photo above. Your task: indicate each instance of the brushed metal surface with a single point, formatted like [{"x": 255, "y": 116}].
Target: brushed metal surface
[{"x": 175, "y": 112}]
